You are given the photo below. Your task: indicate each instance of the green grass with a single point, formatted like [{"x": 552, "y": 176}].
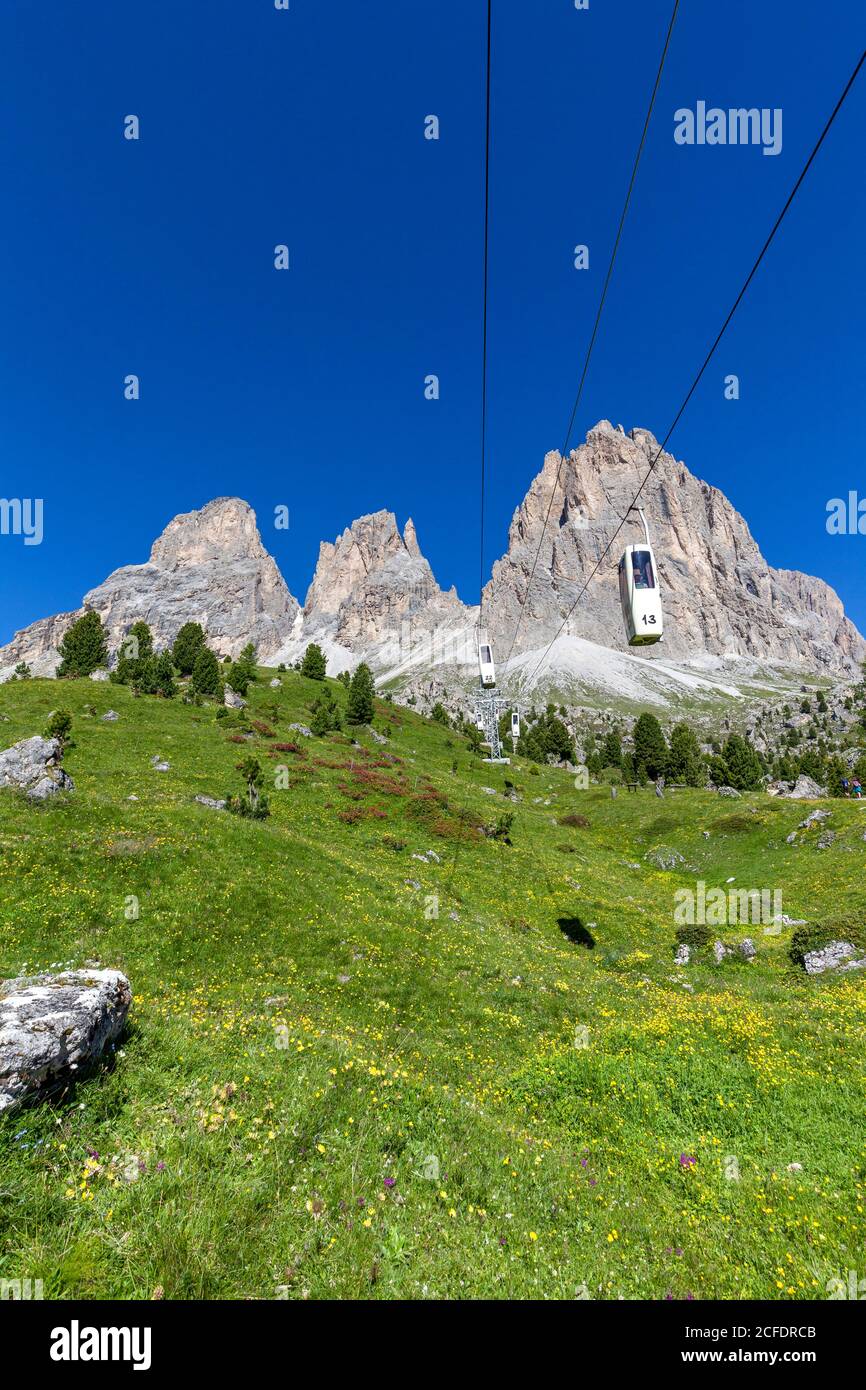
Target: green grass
[{"x": 306, "y": 1033}]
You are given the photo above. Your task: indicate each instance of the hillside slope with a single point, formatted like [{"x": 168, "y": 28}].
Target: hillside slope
[{"x": 336, "y": 1085}]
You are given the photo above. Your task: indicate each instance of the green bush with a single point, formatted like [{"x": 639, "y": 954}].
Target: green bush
[
  {"x": 59, "y": 726},
  {"x": 693, "y": 936},
  {"x": 815, "y": 936}
]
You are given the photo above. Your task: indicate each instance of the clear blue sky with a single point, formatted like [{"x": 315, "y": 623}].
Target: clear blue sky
[{"x": 305, "y": 388}]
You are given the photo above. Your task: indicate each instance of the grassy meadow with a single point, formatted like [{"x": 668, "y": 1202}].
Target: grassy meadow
[{"x": 353, "y": 1073}]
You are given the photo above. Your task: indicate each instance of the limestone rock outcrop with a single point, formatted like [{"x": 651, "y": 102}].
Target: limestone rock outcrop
[
  {"x": 52, "y": 1026},
  {"x": 33, "y": 766}
]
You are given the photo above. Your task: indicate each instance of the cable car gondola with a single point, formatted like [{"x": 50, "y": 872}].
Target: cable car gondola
[
  {"x": 515, "y": 724},
  {"x": 639, "y": 592},
  {"x": 486, "y": 668}
]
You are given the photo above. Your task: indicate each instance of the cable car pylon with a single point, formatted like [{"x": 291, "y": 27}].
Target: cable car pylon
[{"x": 488, "y": 705}]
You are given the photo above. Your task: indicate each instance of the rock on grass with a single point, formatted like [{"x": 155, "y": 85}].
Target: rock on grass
[{"x": 52, "y": 1026}]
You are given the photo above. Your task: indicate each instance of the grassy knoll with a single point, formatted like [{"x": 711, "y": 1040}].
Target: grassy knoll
[{"x": 328, "y": 1090}]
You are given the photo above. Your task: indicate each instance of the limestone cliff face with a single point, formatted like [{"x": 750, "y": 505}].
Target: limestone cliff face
[
  {"x": 208, "y": 567},
  {"x": 721, "y": 598}
]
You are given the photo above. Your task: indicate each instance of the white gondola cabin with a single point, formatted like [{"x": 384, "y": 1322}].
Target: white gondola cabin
[
  {"x": 515, "y": 725},
  {"x": 640, "y": 594},
  {"x": 486, "y": 668}
]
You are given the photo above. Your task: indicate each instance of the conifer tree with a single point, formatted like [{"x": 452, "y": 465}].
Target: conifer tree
[
  {"x": 84, "y": 647},
  {"x": 359, "y": 707},
  {"x": 187, "y": 645}
]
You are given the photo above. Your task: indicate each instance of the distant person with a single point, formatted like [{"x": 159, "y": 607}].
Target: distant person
[
  {"x": 844, "y": 786},
  {"x": 856, "y": 788}
]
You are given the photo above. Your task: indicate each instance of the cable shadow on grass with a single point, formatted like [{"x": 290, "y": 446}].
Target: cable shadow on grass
[{"x": 574, "y": 929}]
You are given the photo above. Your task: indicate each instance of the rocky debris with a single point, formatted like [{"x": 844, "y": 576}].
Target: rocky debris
[
  {"x": 110, "y": 716},
  {"x": 664, "y": 858},
  {"x": 33, "y": 766},
  {"x": 720, "y": 950},
  {"x": 210, "y": 802},
  {"x": 232, "y": 700},
  {"x": 826, "y": 840},
  {"x": 829, "y": 957},
  {"x": 412, "y": 883},
  {"x": 343, "y": 979},
  {"x": 813, "y": 818},
  {"x": 683, "y": 955},
  {"x": 276, "y": 683},
  {"x": 100, "y": 675},
  {"x": 779, "y": 788},
  {"x": 805, "y": 789},
  {"x": 375, "y": 735},
  {"x": 207, "y": 567},
  {"x": 787, "y": 921},
  {"x": 747, "y": 948},
  {"x": 302, "y": 729},
  {"x": 159, "y": 765},
  {"x": 794, "y": 1168},
  {"x": 429, "y": 856},
  {"x": 727, "y": 791},
  {"x": 52, "y": 1026},
  {"x": 491, "y": 791}
]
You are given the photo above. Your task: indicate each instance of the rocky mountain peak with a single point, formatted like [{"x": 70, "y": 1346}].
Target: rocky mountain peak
[
  {"x": 224, "y": 529},
  {"x": 208, "y": 567},
  {"x": 370, "y": 553},
  {"x": 721, "y": 598}
]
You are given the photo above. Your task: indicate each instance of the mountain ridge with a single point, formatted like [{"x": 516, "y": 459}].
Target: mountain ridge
[{"x": 373, "y": 594}]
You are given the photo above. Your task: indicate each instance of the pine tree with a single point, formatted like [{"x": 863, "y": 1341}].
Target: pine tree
[
  {"x": 206, "y": 674},
  {"x": 359, "y": 707},
  {"x": 324, "y": 713},
  {"x": 84, "y": 647},
  {"x": 187, "y": 645},
  {"x": 650, "y": 749},
  {"x": 242, "y": 673},
  {"x": 685, "y": 761},
  {"x": 314, "y": 664},
  {"x": 742, "y": 763},
  {"x": 163, "y": 672},
  {"x": 253, "y": 805},
  {"x": 136, "y": 649},
  {"x": 611, "y": 750}
]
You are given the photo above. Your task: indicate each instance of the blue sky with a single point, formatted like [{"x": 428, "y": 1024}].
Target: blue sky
[{"x": 305, "y": 388}]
